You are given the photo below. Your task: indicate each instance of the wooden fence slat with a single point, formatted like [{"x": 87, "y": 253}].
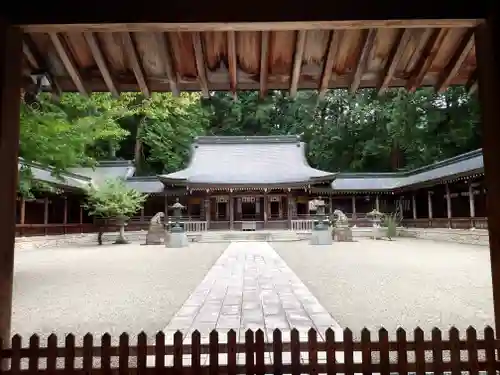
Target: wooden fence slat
[
  {"x": 124, "y": 353},
  {"x": 178, "y": 352},
  {"x": 295, "y": 351},
  {"x": 51, "y": 353},
  {"x": 88, "y": 355},
  {"x": 277, "y": 352},
  {"x": 366, "y": 355},
  {"x": 437, "y": 352},
  {"x": 196, "y": 352},
  {"x": 214, "y": 353},
  {"x": 69, "y": 355},
  {"x": 455, "y": 351},
  {"x": 15, "y": 359},
  {"x": 402, "y": 351},
  {"x": 160, "y": 352},
  {"x": 231, "y": 352},
  {"x": 34, "y": 354},
  {"x": 142, "y": 343},
  {"x": 106, "y": 353},
  {"x": 249, "y": 351},
  {"x": 260, "y": 363},
  {"x": 313, "y": 351},
  {"x": 418, "y": 336},
  {"x": 472, "y": 351},
  {"x": 331, "y": 361},
  {"x": 489, "y": 338},
  {"x": 348, "y": 352},
  {"x": 383, "y": 338}
]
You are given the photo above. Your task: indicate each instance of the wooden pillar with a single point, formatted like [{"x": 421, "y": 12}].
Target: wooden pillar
[
  {"x": 429, "y": 203},
  {"x": 377, "y": 203},
  {"x": 231, "y": 212},
  {"x": 65, "y": 211},
  {"x": 10, "y": 95},
  {"x": 81, "y": 215},
  {"x": 353, "y": 198},
  {"x": 330, "y": 205},
  {"x": 46, "y": 210},
  {"x": 289, "y": 211},
  {"x": 266, "y": 208},
  {"x": 414, "y": 206},
  {"x": 448, "y": 204},
  {"x": 207, "y": 211},
  {"x": 142, "y": 215},
  {"x": 488, "y": 71},
  {"x": 166, "y": 208},
  {"x": 22, "y": 218},
  {"x": 472, "y": 207}
]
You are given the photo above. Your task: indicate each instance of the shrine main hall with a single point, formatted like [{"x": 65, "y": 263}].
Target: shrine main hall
[{"x": 265, "y": 182}]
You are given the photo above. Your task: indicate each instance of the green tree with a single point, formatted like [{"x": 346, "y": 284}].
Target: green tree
[{"x": 114, "y": 199}]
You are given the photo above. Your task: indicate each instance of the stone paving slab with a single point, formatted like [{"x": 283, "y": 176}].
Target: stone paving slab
[{"x": 251, "y": 287}]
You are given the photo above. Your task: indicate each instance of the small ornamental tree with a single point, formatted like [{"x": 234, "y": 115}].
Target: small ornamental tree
[{"x": 114, "y": 199}]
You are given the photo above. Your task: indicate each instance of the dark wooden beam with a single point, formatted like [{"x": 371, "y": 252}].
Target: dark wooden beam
[
  {"x": 37, "y": 61},
  {"x": 264, "y": 62},
  {"x": 200, "y": 63},
  {"x": 367, "y": 41},
  {"x": 426, "y": 58},
  {"x": 300, "y": 44},
  {"x": 333, "y": 45},
  {"x": 471, "y": 84},
  {"x": 395, "y": 55},
  {"x": 232, "y": 62},
  {"x": 135, "y": 64},
  {"x": 456, "y": 61},
  {"x": 488, "y": 73},
  {"x": 166, "y": 58},
  {"x": 101, "y": 62},
  {"x": 30, "y": 57},
  {"x": 68, "y": 63},
  {"x": 11, "y": 52}
]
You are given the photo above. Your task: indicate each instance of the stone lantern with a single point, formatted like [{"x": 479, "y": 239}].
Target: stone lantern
[
  {"x": 177, "y": 207},
  {"x": 321, "y": 234},
  {"x": 177, "y": 236},
  {"x": 376, "y": 218}
]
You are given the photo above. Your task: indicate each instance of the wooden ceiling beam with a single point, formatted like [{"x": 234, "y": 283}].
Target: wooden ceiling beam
[
  {"x": 101, "y": 62},
  {"x": 135, "y": 64},
  {"x": 297, "y": 61},
  {"x": 395, "y": 56},
  {"x": 68, "y": 63},
  {"x": 264, "y": 62},
  {"x": 456, "y": 61},
  {"x": 166, "y": 58},
  {"x": 471, "y": 84},
  {"x": 426, "y": 58},
  {"x": 335, "y": 38},
  {"x": 200, "y": 63},
  {"x": 232, "y": 62},
  {"x": 367, "y": 42}
]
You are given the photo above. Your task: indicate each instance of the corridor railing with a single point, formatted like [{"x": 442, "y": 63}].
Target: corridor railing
[{"x": 254, "y": 354}]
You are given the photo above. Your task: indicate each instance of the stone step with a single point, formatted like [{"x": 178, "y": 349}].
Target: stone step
[{"x": 230, "y": 236}]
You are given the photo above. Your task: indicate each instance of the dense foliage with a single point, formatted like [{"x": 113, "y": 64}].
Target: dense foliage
[{"x": 344, "y": 132}]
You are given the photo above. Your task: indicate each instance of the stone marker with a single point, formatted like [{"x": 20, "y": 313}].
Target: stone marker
[
  {"x": 341, "y": 231},
  {"x": 156, "y": 232}
]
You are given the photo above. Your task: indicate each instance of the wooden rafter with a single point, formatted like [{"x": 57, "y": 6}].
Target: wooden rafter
[
  {"x": 426, "y": 58},
  {"x": 297, "y": 61},
  {"x": 68, "y": 63},
  {"x": 232, "y": 61},
  {"x": 368, "y": 39},
  {"x": 395, "y": 55},
  {"x": 200, "y": 63},
  {"x": 472, "y": 83},
  {"x": 135, "y": 63},
  {"x": 101, "y": 62},
  {"x": 264, "y": 62},
  {"x": 30, "y": 57},
  {"x": 335, "y": 37},
  {"x": 456, "y": 61},
  {"x": 166, "y": 58}
]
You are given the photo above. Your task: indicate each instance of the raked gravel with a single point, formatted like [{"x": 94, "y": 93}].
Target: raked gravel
[
  {"x": 405, "y": 282},
  {"x": 109, "y": 288}
]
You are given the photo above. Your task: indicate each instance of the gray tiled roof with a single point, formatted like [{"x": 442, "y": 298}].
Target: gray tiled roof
[
  {"x": 107, "y": 170},
  {"x": 454, "y": 167},
  {"x": 45, "y": 174},
  {"x": 146, "y": 184},
  {"x": 247, "y": 160}
]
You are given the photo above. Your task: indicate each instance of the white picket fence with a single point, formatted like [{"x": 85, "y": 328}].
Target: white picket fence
[
  {"x": 302, "y": 225},
  {"x": 195, "y": 226}
]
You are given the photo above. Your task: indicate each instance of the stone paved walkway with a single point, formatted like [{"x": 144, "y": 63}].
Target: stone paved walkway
[{"x": 251, "y": 287}]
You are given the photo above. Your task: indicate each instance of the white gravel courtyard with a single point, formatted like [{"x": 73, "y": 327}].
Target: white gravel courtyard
[{"x": 367, "y": 283}]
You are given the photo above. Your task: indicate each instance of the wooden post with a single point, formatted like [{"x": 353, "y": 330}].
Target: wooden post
[
  {"x": 377, "y": 203},
  {"x": 429, "y": 203},
  {"x": 289, "y": 211},
  {"x": 22, "y": 218},
  {"x": 166, "y": 207},
  {"x": 330, "y": 205},
  {"x": 353, "y": 198},
  {"x": 65, "y": 210},
  {"x": 81, "y": 214},
  {"x": 488, "y": 69},
  {"x": 142, "y": 215},
  {"x": 414, "y": 206},
  {"x": 231, "y": 212},
  {"x": 10, "y": 96},
  {"x": 207, "y": 211},
  {"x": 46, "y": 210},
  {"x": 472, "y": 207},
  {"x": 266, "y": 208},
  {"x": 448, "y": 204}
]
